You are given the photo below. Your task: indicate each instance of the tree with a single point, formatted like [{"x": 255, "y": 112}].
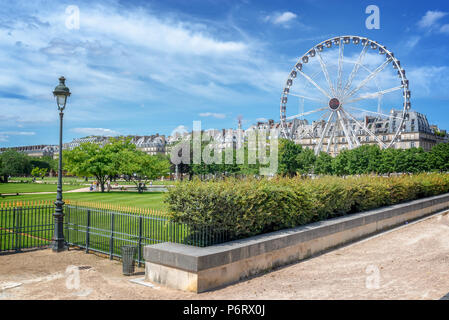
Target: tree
[
  {"x": 438, "y": 159},
  {"x": 389, "y": 160},
  {"x": 288, "y": 157},
  {"x": 323, "y": 164},
  {"x": 363, "y": 160},
  {"x": 416, "y": 159},
  {"x": 39, "y": 172},
  {"x": 52, "y": 164},
  {"x": 141, "y": 167},
  {"x": 306, "y": 161},
  {"x": 13, "y": 163},
  {"x": 91, "y": 159},
  {"x": 340, "y": 163}
]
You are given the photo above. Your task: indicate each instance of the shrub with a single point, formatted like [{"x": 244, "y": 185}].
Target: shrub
[{"x": 248, "y": 207}]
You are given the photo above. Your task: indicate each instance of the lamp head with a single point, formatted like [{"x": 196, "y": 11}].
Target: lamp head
[{"x": 61, "y": 93}]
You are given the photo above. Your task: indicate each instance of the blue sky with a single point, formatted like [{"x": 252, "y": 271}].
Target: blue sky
[{"x": 146, "y": 67}]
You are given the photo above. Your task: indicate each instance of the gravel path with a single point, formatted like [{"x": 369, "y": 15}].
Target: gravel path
[
  {"x": 85, "y": 189},
  {"x": 411, "y": 262}
]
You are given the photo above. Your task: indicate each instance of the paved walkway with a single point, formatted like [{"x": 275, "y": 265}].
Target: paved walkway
[
  {"x": 86, "y": 189},
  {"x": 411, "y": 262}
]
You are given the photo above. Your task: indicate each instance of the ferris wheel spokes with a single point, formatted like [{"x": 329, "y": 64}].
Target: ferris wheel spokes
[
  {"x": 311, "y": 131},
  {"x": 305, "y": 97},
  {"x": 371, "y": 76},
  {"x": 372, "y": 95},
  {"x": 355, "y": 69},
  {"x": 306, "y": 113},
  {"x": 340, "y": 67},
  {"x": 345, "y": 130},
  {"x": 326, "y": 73},
  {"x": 315, "y": 84},
  {"x": 374, "y": 112},
  {"x": 366, "y": 129},
  {"x": 352, "y": 131},
  {"x": 326, "y": 127},
  {"x": 331, "y": 138}
]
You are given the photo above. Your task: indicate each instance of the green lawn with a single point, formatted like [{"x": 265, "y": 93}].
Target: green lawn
[{"x": 153, "y": 200}]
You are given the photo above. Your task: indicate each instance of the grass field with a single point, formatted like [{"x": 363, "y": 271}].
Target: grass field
[
  {"x": 153, "y": 200},
  {"x": 33, "y": 187}
]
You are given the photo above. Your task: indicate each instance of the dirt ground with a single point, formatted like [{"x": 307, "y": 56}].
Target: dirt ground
[{"x": 410, "y": 262}]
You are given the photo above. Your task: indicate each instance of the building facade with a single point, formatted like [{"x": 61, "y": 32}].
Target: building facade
[
  {"x": 35, "y": 151},
  {"x": 416, "y": 132}
]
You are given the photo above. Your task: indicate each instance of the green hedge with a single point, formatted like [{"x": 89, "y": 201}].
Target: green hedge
[{"x": 249, "y": 207}]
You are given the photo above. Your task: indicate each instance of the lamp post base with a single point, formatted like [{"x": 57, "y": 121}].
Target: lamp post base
[{"x": 58, "y": 246}]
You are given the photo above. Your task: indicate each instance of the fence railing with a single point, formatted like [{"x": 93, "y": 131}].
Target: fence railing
[
  {"x": 98, "y": 227},
  {"x": 25, "y": 225}
]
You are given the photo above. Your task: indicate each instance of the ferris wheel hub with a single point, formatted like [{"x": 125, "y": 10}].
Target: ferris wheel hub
[{"x": 334, "y": 104}]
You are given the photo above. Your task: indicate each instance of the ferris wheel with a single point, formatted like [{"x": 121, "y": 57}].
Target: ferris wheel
[{"x": 344, "y": 92}]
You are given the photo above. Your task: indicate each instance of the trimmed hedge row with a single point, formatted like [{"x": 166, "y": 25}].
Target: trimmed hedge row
[{"x": 249, "y": 207}]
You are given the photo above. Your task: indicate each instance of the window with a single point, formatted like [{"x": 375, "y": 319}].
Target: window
[
  {"x": 412, "y": 144},
  {"x": 367, "y": 138}
]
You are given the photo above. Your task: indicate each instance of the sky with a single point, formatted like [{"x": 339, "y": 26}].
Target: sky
[{"x": 147, "y": 67}]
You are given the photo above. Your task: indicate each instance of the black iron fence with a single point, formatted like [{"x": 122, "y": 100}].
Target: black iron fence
[
  {"x": 98, "y": 228},
  {"x": 29, "y": 226}
]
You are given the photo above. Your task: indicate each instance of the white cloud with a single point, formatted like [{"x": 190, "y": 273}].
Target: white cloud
[
  {"x": 427, "y": 81},
  {"x": 4, "y": 135},
  {"x": 213, "y": 115},
  {"x": 281, "y": 18},
  {"x": 262, "y": 119},
  {"x": 431, "y": 18},
  {"x": 135, "y": 56},
  {"x": 284, "y": 17},
  {"x": 95, "y": 131},
  {"x": 18, "y": 133},
  {"x": 412, "y": 42},
  {"x": 166, "y": 35},
  {"x": 445, "y": 28},
  {"x": 181, "y": 129}
]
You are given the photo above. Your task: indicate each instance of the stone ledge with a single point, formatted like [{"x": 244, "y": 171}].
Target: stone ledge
[{"x": 296, "y": 243}]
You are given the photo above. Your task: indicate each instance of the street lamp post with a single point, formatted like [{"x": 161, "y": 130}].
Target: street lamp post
[{"x": 61, "y": 93}]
